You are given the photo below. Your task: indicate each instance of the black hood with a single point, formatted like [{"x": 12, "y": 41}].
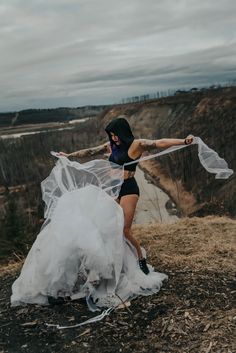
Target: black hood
[{"x": 120, "y": 127}]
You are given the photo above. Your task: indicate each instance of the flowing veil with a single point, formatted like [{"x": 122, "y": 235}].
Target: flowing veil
[{"x": 80, "y": 250}]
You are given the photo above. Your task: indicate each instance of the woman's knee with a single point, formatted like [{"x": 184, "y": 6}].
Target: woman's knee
[{"x": 127, "y": 231}]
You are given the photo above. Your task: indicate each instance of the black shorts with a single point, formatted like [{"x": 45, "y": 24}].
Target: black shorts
[{"x": 129, "y": 187}]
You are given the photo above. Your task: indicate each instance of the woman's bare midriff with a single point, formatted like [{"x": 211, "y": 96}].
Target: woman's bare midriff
[{"x": 128, "y": 174}]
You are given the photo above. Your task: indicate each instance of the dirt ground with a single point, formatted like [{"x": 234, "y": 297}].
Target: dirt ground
[{"x": 193, "y": 312}]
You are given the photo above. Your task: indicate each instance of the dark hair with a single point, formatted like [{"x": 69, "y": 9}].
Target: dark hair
[{"x": 121, "y": 128}]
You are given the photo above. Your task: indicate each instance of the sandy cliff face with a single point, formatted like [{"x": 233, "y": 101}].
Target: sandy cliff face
[{"x": 210, "y": 115}]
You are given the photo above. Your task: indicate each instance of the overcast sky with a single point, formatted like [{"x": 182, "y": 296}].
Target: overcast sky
[{"x": 75, "y": 52}]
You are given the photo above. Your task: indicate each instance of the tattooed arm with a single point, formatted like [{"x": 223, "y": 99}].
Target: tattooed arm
[
  {"x": 148, "y": 145},
  {"x": 88, "y": 152}
]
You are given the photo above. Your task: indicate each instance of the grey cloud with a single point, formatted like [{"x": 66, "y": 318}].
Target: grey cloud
[{"x": 96, "y": 51}]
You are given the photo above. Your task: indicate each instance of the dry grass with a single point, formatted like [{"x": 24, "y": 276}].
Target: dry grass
[
  {"x": 193, "y": 313},
  {"x": 207, "y": 243},
  {"x": 11, "y": 268}
]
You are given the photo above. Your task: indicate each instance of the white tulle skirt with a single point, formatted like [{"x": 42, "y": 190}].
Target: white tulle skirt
[{"x": 81, "y": 252}]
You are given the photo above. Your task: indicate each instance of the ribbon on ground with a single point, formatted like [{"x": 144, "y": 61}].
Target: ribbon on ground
[{"x": 89, "y": 321}]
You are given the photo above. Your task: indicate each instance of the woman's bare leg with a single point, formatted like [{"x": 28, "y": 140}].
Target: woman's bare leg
[{"x": 128, "y": 204}]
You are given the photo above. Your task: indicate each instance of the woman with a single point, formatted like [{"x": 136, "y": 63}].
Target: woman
[
  {"x": 124, "y": 148},
  {"x": 80, "y": 250}
]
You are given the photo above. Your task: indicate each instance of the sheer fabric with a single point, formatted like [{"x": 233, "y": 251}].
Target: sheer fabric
[
  {"x": 80, "y": 250},
  {"x": 209, "y": 158}
]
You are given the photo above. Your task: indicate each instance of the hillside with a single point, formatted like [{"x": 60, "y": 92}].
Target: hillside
[
  {"x": 194, "y": 311},
  {"x": 210, "y": 115}
]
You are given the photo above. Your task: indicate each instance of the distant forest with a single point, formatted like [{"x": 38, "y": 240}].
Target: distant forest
[
  {"x": 37, "y": 116},
  {"x": 172, "y": 92}
]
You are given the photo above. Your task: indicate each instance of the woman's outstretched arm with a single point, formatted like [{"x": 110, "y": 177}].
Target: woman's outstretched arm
[
  {"x": 88, "y": 152},
  {"x": 147, "y": 145}
]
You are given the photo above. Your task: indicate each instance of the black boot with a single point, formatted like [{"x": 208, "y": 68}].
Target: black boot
[
  {"x": 56, "y": 301},
  {"x": 143, "y": 266}
]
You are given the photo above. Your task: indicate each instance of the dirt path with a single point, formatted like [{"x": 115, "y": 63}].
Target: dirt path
[{"x": 193, "y": 313}]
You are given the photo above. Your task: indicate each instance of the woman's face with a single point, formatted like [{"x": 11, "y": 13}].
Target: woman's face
[{"x": 115, "y": 139}]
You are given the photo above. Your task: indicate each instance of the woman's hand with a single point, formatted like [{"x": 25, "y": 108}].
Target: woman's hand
[
  {"x": 64, "y": 154},
  {"x": 188, "y": 140}
]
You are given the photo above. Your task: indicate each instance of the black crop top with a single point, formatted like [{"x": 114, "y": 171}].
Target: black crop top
[{"x": 120, "y": 156}]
